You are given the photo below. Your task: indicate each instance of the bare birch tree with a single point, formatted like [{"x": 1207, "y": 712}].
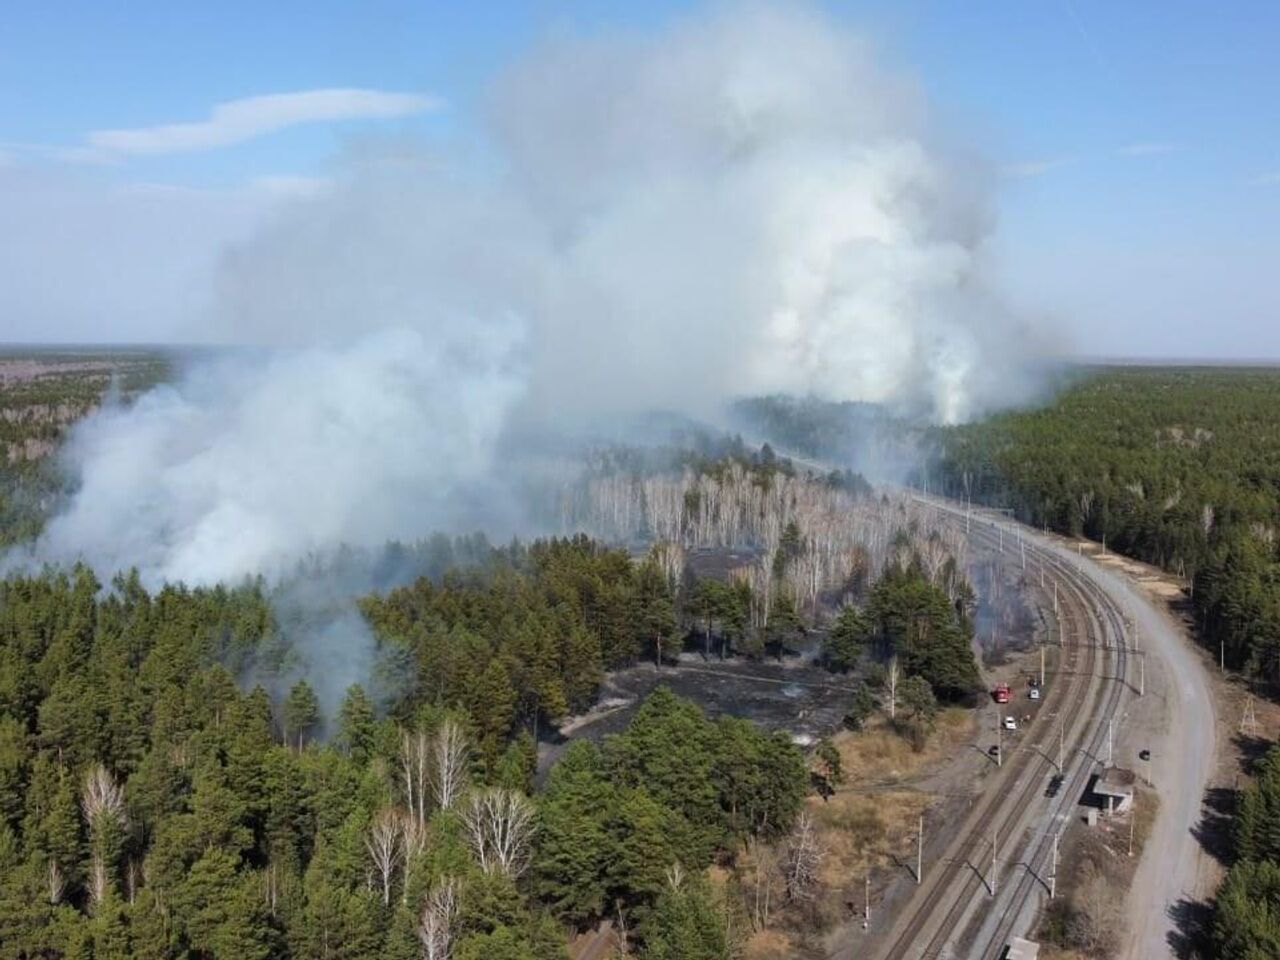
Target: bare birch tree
[
  {"x": 891, "y": 681},
  {"x": 499, "y": 826},
  {"x": 102, "y": 801},
  {"x": 413, "y": 843},
  {"x": 450, "y": 755},
  {"x": 385, "y": 847},
  {"x": 435, "y": 926},
  {"x": 57, "y": 883},
  {"x": 415, "y": 762},
  {"x": 804, "y": 858}
]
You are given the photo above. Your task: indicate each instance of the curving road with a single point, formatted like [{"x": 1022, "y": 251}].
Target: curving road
[{"x": 1174, "y": 864}]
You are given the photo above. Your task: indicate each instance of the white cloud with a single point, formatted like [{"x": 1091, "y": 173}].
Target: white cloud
[
  {"x": 1148, "y": 149},
  {"x": 1036, "y": 168},
  {"x": 236, "y": 121},
  {"x": 290, "y": 186}
]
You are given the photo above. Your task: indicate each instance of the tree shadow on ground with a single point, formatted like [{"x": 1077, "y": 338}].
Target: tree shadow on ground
[
  {"x": 1190, "y": 938},
  {"x": 1214, "y": 830},
  {"x": 1252, "y": 750}
]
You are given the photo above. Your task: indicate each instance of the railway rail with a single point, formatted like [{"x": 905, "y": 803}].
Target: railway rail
[{"x": 1091, "y": 634}]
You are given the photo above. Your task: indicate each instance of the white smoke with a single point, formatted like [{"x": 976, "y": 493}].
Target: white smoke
[
  {"x": 743, "y": 203},
  {"x": 252, "y": 461}
]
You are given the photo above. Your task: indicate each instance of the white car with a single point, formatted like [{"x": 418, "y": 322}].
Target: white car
[
  {"x": 1035, "y": 693},
  {"x": 1010, "y": 723}
]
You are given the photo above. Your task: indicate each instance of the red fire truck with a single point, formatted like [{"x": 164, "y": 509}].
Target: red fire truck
[{"x": 1001, "y": 693}]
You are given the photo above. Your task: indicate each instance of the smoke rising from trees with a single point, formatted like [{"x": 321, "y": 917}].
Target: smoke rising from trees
[{"x": 743, "y": 203}]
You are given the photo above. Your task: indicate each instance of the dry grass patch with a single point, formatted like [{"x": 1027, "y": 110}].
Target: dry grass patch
[
  {"x": 768, "y": 945},
  {"x": 862, "y": 831},
  {"x": 878, "y": 753}
]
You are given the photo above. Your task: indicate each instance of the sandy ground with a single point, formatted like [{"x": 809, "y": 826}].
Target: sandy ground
[{"x": 1177, "y": 721}]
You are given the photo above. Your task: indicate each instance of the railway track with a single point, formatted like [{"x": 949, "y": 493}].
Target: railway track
[{"x": 1090, "y": 629}]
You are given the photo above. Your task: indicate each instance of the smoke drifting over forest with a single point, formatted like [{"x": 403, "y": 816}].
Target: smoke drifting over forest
[{"x": 745, "y": 203}]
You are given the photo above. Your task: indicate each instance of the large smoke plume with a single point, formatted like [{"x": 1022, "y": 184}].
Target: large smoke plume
[{"x": 744, "y": 203}]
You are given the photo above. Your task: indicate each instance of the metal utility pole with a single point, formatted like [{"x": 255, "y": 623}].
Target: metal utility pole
[
  {"x": 1055, "y": 598},
  {"x": 920, "y": 852},
  {"x": 1042, "y": 667},
  {"x": 999, "y": 738},
  {"x": 1053, "y": 874},
  {"x": 866, "y": 910},
  {"x": 1062, "y": 729},
  {"x": 993, "y": 860},
  {"x": 1110, "y": 737}
]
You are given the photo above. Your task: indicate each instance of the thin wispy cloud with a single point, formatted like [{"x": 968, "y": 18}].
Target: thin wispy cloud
[
  {"x": 1148, "y": 149},
  {"x": 1036, "y": 168},
  {"x": 236, "y": 121},
  {"x": 1268, "y": 179}
]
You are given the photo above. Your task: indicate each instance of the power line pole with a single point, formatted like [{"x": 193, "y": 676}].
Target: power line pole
[
  {"x": 1042, "y": 665},
  {"x": 1062, "y": 724},
  {"x": 1110, "y": 738},
  {"x": 1053, "y": 873},
  {"x": 866, "y": 909},
  {"x": 920, "y": 852},
  {"x": 999, "y": 738},
  {"x": 993, "y": 860}
]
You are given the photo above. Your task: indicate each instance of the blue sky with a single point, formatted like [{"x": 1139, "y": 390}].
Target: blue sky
[{"x": 1137, "y": 144}]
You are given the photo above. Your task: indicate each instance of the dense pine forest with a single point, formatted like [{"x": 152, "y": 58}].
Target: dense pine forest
[
  {"x": 1179, "y": 467},
  {"x": 150, "y": 806},
  {"x": 153, "y": 806}
]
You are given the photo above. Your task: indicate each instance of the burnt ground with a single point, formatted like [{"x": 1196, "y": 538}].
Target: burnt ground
[{"x": 793, "y": 695}]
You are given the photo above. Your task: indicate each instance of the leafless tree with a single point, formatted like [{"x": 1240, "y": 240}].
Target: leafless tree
[
  {"x": 499, "y": 826},
  {"x": 670, "y": 558},
  {"x": 102, "y": 802},
  {"x": 384, "y": 843},
  {"x": 891, "y": 681},
  {"x": 415, "y": 764},
  {"x": 57, "y": 883},
  {"x": 435, "y": 927},
  {"x": 450, "y": 753},
  {"x": 1096, "y": 922},
  {"x": 804, "y": 858},
  {"x": 413, "y": 843},
  {"x": 675, "y": 876},
  {"x": 765, "y": 864}
]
